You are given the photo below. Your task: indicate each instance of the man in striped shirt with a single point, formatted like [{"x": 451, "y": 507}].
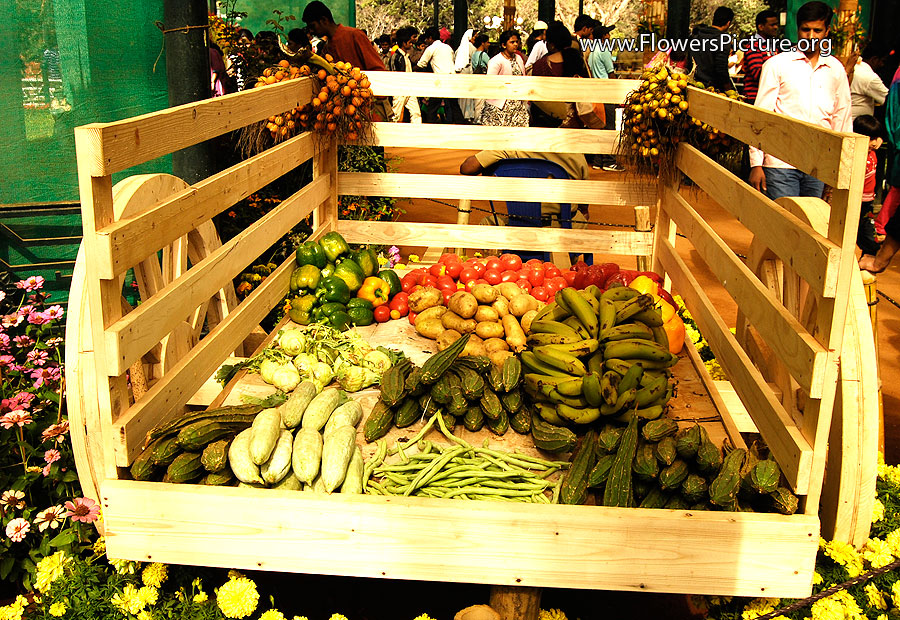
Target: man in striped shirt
[{"x": 760, "y": 52}]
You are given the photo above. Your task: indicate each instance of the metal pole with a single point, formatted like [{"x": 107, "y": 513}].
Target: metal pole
[
  {"x": 436, "y": 20},
  {"x": 547, "y": 10},
  {"x": 460, "y": 18},
  {"x": 187, "y": 71},
  {"x": 678, "y": 21}
]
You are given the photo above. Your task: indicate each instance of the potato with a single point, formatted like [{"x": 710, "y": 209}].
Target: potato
[
  {"x": 434, "y": 312},
  {"x": 501, "y": 306},
  {"x": 464, "y": 304},
  {"x": 508, "y": 290},
  {"x": 526, "y": 320},
  {"x": 515, "y": 337},
  {"x": 486, "y": 313},
  {"x": 430, "y": 328},
  {"x": 498, "y": 357},
  {"x": 520, "y": 304},
  {"x": 492, "y": 345},
  {"x": 448, "y": 337},
  {"x": 424, "y": 298},
  {"x": 451, "y": 320},
  {"x": 475, "y": 346},
  {"x": 485, "y": 293},
  {"x": 489, "y": 329}
]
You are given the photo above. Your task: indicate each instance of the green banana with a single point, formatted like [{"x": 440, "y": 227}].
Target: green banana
[
  {"x": 582, "y": 347},
  {"x": 652, "y": 392},
  {"x": 609, "y": 387},
  {"x": 536, "y": 340},
  {"x": 530, "y": 360},
  {"x": 627, "y": 330},
  {"x": 624, "y": 401},
  {"x": 636, "y": 349},
  {"x": 556, "y": 397},
  {"x": 590, "y": 388},
  {"x": 578, "y": 415},
  {"x": 617, "y": 365},
  {"x": 548, "y": 413},
  {"x": 554, "y": 327},
  {"x": 551, "y": 312},
  {"x": 630, "y": 379},
  {"x": 595, "y": 362},
  {"x": 592, "y": 301},
  {"x": 632, "y": 307},
  {"x": 561, "y": 361},
  {"x": 571, "y": 387},
  {"x": 660, "y": 336},
  {"x": 594, "y": 290},
  {"x": 607, "y": 314},
  {"x": 561, "y": 301},
  {"x": 650, "y": 376},
  {"x": 621, "y": 366},
  {"x": 582, "y": 309},
  {"x": 651, "y": 317},
  {"x": 665, "y": 398},
  {"x": 619, "y": 293},
  {"x": 578, "y": 327},
  {"x": 647, "y": 413}
]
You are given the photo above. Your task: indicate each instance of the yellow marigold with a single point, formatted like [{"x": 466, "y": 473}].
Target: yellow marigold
[
  {"x": 759, "y": 606},
  {"x": 895, "y": 593},
  {"x": 817, "y": 578},
  {"x": 876, "y": 597},
  {"x": 552, "y": 614},
  {"x": 413, "y": 258},
  {"x": 148, "y": 595},
  {"x": 57, "y": 609},
  {"x": 272, "y": 614},
  {"x": 49, "y": 569},
  {"x": 877, "y": 511},
  {"x": 14, "y": 610},
  {"x": 201, "y": 597},
  {"x": 232, "y": 574},
  {"x": 893, "y": 541},
  {"x": 124, "y": 567},
  {"x": 839, "y": 606},
  {"x": 845, "y": 555},
  {"x": 237, "y": 598},
  {"x": 882, "y": 617},
  {"x": 300, "y": 618},
  {"x": 423, "y": 617},
  {"x": 144, "y": 614},
  {"x": 128, "y": 601},
  {"x": 877, "y": 553},
  {"x": 99, "y": 546},
  {"x": 337, "y": 617},
  {"x": 155, "y": 574}
]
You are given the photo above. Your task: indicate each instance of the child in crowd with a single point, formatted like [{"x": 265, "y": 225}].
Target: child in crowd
[{"x": 867, "y": 125}]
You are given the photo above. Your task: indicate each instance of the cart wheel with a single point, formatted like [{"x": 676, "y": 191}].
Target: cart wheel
[
  {"x": 133, "y": 196},
  {"x": 849, "y": 490}
]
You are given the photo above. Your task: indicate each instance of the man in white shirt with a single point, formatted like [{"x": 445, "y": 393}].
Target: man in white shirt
[
  {"x": 867, "y": 90},
  {"x": 406, "y": 39},
  {"x": 439, "y": 56},
  {"x": 539, "y": 49},
  {"x": 809, "y": 86}
]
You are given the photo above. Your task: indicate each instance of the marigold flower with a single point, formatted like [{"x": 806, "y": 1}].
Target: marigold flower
[
  {"x": 17, "y": 529},
  {"x": 49, "y": 569},
  {"x": 57, "y": 609},
  {"x": 128, "y": 601},
  {"x": 83, "y": 509},
  {"x": 272, "y": 614},
  {"x": 154, "y": 574},
  {"x": 875, "y": 597},
  {"x": 237, "y": 598},
  {"x": 201, "y": 597},
  {"x": 148, "y": 595},
  {"x": 877, "y": 553},
  {"x": 552, "y": 614}
]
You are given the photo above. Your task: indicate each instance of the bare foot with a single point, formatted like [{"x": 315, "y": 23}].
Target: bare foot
[
  {"x": 867, "y": 263},
  {"x": 880, "y": 262}
]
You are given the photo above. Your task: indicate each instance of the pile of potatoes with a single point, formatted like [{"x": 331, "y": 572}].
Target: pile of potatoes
[{"x": 497, "y": 317}]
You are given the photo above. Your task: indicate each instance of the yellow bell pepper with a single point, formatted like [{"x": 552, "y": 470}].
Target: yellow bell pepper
[
  {"x": 675, "y": 331},
  {"x": 645, "y": 285},
  {"x": 375, "y": 290}
]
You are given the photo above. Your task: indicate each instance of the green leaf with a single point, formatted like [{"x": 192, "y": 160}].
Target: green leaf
[
  {"x": 69, "y": 476},
  {"x": 64, "y": 538},
  {"x": 6, "y": 565}
]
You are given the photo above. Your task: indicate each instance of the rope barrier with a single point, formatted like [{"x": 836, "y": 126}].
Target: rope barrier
[{"x": 162, "y": 28}]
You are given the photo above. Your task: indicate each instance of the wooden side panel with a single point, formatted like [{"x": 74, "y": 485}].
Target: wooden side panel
[
  {"x": 122, "y": 144},
  {"x": 812, "y": 255},
  {"x": 785, "y": 138},
  {"x": 799, "y": 351},
  {"x": 404, "y": 185},
  {"x": 552, "y": 545},
  {"x": 792, "y": 451},
  {"x": 529, "y": 88},
  {"x": 497, "y": 238}
]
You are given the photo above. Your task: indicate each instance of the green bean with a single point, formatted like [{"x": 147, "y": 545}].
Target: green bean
[
  {"x": 487, "y": 491},
  {"x": 433, "y": 468}
]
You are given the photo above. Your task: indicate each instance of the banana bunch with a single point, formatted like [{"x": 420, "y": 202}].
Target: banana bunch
[{"x": 594, "y": 354}]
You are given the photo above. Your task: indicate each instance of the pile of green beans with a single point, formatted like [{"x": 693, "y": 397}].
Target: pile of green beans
[{"x": 460, "y": 471}]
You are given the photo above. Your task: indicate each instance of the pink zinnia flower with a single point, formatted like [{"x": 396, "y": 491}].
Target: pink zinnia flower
[
  {"x": 2, "y": 295},
  {"x": 26, "y": 310},
  {"x": 50, "y": 517},
  {"x": 37, "y": 318},
  {"x": 4, "y": 341},
  {"x": 23, "y": 341},
  {"x": 46, "y": 470},
  {"x": 12, "y": 320},
  {"x": 54, "y": 312},
  {"x": 38, "y": 358},
  {"x": 56, "y": 431},
  {"x": 23, "y": 400},
  {"x": 83, "y": 509},
  {"x": 44, "y": 375},
  {"x": 7, "y": 360},
  {"x": 18, "y": 417},
  {"x": 31, "y": 283},
  {"x": 13, "y": 498},
  {"x": 17, "y": 528},
  {"x": 52, "y": 342},
  {"x": 52, "y": 455}
]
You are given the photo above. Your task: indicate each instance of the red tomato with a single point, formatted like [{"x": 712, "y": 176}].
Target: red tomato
[
  {"x": 438, "y": 269},
  {"x": 492, "y": 276},
  {"x": 524, "y": 284},
  {"x": 430, "y": 280},
  {"x": 412, "y": 317},
  {"x": 454, "y": 269},
  {"x": 395, "y": 314},
  {"x": 551, "y": 270},
  {"x": 510, "y": 262},
  {"x": 493, "y": 263},
  {"x": 446, "y": 292},
  {"x": 556, "y": 283},
  {"x": 509, "y": 276},
  {"x": 448, "y": 257},
  {"x": 446, "y": 283},
  {"x": 383, "y": 314},
  {"x": 407, "y": 282},
  {"x": 536, "y": 276},
  {"x": 468, "y": 274},
  {"x": 534, "y": 262},
  {"x": 540, "y": 293},
  {"x": 479, "y": 268},
  {"x": 399, "y": 304},
  {"x": 569, "y": 277}
]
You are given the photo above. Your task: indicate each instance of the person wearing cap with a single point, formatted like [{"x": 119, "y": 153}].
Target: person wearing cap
[
  {"x": 539, "y": 48},
  {"x": 600, "y": 61}
]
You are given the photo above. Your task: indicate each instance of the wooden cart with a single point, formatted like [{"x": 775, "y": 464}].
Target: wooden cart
[{"x": 801, "y": 365}]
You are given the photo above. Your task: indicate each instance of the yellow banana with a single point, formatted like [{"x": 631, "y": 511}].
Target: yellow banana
[
  {"x": 609, "y": 387},
  {"x": 607, "y": 314},
  {"x": 530, "y": 361},
  {"x": 570, "y": 387},
  {"x": 595, "y": 362},
  {"x": 561, "y": 302},
  {"x": 315, "y": 59},
  {"x": 535, "y": 380},
  {"x": 624, "y": 401},
  {"x": 578, "y": 326},
  {"x": 652, "y": 317},
  {"x": 571, "y": 401},
  {"x": 548, "y": 412},
  {"x": 630, "y": 379},
  {"x": 660, "y": 336},
  {"x": 582, "y": 309},
  {"x": 551, "y": 312},
  {"x": 593, "y": 302},
  {"x": 563, "y": 362},
  {"x": 582, "y": 347},
  {"x": 536, "y": 340},
  {"x": 650, "y": 393},
  {"x": 647, "y": 413},
  {"x": 578, "y": 415},
  {"x": 617, "y": 365}
]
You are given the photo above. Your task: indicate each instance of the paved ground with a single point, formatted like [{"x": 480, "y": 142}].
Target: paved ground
[{"x": 447, "y": 162}]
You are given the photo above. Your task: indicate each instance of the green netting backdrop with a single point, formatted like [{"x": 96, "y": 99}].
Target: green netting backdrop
[{"x": 258, "y": 11}]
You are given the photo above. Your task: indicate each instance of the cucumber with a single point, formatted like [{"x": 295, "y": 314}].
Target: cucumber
[
  {"x": 353, "y": 481},
  {"x": 336, "y": 454},
  {"x": 306, "y": 455},
  {"x": 278, "y": 466},
  {"x": 293, "y": 409},
  {"x": 264, "y": 435},
  {"x": 320, "y": 409},
  {"x": 242, "y": 465},
  {"x": 348, "y": 414}
]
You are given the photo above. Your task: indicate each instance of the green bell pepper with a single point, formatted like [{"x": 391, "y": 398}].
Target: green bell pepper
[
  {"x": 331, "y": 307},
  {"x": 340, "y": 320},
  {"x": 360, "y": 315},
  {"x": 305, "y": 277},
  {"x": 328, "y": 270},
  {"x": 333, "y": 288},
  {"x": 301, "y": 311},
  {"x": 367, "y": 260},
  {"x": 334, "y": 245},
  {"x": 390, "y": 276},
  {"x": 310, "y": 253},
  {"x": 351, "y": 273}
]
